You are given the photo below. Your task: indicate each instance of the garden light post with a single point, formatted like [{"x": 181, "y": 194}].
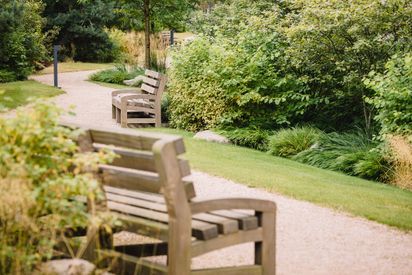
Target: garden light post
[
  {"x": 172, "y": 37},
  {"x": 55, "y": 50}
]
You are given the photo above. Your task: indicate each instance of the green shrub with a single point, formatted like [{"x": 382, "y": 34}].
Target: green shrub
[
  {"x": 289, "y": 142},
  {"x": 21, "y": 39},
  {"x": 393, "y": 98},
  {"x": 117, "y": 75},
  {"x": 41, "y": 172},
  {"x": 351, "y": 153},
  {"x": 247, "y": 137}
]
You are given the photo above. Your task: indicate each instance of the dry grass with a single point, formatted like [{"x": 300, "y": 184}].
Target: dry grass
[
  {"x": 132, "y": 46},
  {"x": 401, "y": 150}
]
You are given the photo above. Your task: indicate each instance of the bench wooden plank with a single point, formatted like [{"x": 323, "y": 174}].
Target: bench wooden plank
[
  {"x": 151, "y": 81},
  {"x": 152, "y": 74},
  {"x": 225, "y": 225},
  {"x": 149, "y": 89},
  {"x": 200, "y": 230},
  {"x": 246, "y": 221}
]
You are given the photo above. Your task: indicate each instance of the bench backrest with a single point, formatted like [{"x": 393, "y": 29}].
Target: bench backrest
[
  {"x": 153, "y": 83},
  {"x": 147, "y": 162}
]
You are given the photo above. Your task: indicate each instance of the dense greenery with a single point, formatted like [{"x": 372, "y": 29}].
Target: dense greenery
[
  {"x": 270, "y": 65},
  {"x": 41, "y": 171},
  {"x": 393, "y": 98},
  {"x": 15, "y": 94},
  {"x": 378, "y": 202},
  {"x": 21, "y": 40},
  {"x": 248, "y": 137}
]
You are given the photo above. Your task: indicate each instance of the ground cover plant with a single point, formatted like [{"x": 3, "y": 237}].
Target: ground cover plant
[
  {"x": 117, "y": 75},
  {"x": 15, "y": 94},
  {"x": 41, "y": 172},
  {"x": 375, "y": 201}
]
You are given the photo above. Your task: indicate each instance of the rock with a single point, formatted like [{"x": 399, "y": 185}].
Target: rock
[
  {"x": 67, "y": 267},
  {"x": 135, "y": 81},
  {"x": 212, "y": 136}
]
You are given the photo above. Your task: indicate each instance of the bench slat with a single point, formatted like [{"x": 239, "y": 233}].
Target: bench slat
[
  {"x": 151, "y": 81},
  {"x": 149, "y": 89},
  {"x": 246, "y": 221},
  {"x": 152, "y": 74},
  {"x": 200, "y": 230},
  {"x": 225, "y": 225}
]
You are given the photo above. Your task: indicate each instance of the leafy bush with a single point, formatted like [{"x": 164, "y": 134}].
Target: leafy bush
[
  {"x": 236, "y": 81},
  {"x": 334, "y": 44},
  {"x": 289, "y": 142},
  {"x": 41, "y": 172},
  {"x": 352, "y": 153},
  {"x": 393, "y": 98},
  {"x": 247, "y": 137},
  {"x": 21, "y": 40},
  {"x": 117, "y": 75}
]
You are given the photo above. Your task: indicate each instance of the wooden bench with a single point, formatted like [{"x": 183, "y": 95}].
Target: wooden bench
[
  {"x": 141, "y": 106},
  {"x": 147, "y": 188}
]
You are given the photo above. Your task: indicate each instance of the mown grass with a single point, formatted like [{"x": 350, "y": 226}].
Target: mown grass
[
  {"x": 65, "y": 67},
  {"x": 374, "y": 201},
  {"x": 15, "y": 94}
]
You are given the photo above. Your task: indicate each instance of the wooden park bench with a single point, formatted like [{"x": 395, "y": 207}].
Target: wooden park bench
[
  {"x": 140, "y": 105},
  {"x": 147, "y": 188}
]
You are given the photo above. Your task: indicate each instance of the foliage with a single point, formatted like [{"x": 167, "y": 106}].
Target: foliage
[
  {"x": 21, "y": 48},
  {"x": 117, "y": 75},
  {"x": 289, "y": 142},
  {"x": 334, "y": 44},
  {"x": 352, "y": 153},
  {"x": 247, "y": 137},
  {"x": 41, "y": 171},
  {"x": 79, "y": 28},
  {"x": 393, "y": 98},
  {"x": 236, "y": 81},
  {"x": 15, "y": 94}
]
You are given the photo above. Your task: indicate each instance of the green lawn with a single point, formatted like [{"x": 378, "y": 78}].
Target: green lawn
[
  {"x": 15, "y": 94},
  {"x": 374, "y": 201},
  {"x": 65, "y": 67}
]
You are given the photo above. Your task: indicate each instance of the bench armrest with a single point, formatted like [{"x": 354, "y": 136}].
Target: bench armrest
[
  {"x": 126, "y": 91},
  {"x": 129, "y": 96},
  {"x": 233, "y": 203}
]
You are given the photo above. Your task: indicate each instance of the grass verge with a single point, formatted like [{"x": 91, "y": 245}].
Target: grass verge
[
  {"x": 15, "y": 94},
  {"x": 374, "y": 201},
  {"x": 65, "y": 67}
]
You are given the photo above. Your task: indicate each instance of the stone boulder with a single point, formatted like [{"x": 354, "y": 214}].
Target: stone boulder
[
  {"x": 211, "y": 136},
  {"x": 67, "y": 267}
]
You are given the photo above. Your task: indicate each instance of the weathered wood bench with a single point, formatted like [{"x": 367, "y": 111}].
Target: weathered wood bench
[
  {"x": 144, "y": 102},
  {"x": 147, "y": 188}
]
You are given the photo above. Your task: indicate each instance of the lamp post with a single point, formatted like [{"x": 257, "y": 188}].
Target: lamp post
[{"x": 55, "y": 50}]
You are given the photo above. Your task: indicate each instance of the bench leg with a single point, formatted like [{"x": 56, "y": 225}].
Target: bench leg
[
  {"x": 265, "y": 251},
  {"x": 123, "y": 118},
  {"x": 114, "y": 112},
  {"x": 118, "y": 115}
]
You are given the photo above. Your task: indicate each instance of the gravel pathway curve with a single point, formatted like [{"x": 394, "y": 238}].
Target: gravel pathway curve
[{"x": 311, "y": 239}]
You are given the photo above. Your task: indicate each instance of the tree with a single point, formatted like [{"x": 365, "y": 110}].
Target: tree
[
  {"x": 80, "y": 28},
  {"x": 154, "y": 15},
  {"x": 21, "y": 40}
]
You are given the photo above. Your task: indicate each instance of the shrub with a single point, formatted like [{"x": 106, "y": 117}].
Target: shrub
[
  {"x": 351, "y": 153},
  {"x": 117, "y": 75},
  {"x": 289, "y": 142},
  {"x": 247, "y": 137},
  {"x": 393, "y": 98},
  {"x": 41, "y": 172}
]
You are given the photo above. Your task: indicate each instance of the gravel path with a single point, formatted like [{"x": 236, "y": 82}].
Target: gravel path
[{"x": 311, "y": 239}]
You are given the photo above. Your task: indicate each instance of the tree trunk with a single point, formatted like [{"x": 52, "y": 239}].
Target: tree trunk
[{"x": 147, "y": 33}]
